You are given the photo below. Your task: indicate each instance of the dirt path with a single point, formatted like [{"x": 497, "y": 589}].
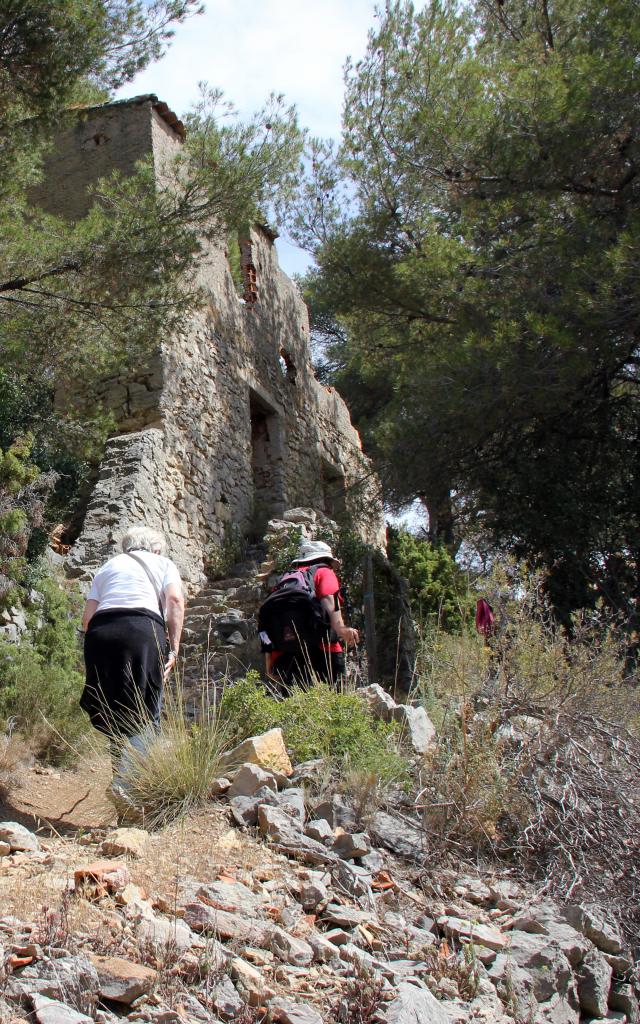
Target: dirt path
[{"x": 62, "y": 802}]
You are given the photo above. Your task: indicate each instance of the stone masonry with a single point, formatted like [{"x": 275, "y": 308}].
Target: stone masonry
[{"x": 226, "y": 426}]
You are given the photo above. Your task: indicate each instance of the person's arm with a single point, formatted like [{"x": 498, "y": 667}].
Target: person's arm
[
  {"x": 88, "y": 613},
  {"x": 174, "y": 613},
  {"x": 350, "y": 636}
]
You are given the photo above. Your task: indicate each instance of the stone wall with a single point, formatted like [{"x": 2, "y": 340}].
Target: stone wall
[{"x": 227, "y": 424}]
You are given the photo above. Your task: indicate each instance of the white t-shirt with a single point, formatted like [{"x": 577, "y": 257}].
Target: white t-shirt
[{"x": 122, "y": 582}]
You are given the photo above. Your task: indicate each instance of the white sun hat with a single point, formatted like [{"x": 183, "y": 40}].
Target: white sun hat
[{"x": 313, "y": 551}]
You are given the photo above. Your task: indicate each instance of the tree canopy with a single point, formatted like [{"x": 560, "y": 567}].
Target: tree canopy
[{"x": 476, "y": 239}]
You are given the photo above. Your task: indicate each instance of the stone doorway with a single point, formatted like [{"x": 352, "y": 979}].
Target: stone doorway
[
  {"x": 266, "y": 464},
  {"x": 334, "y": 490}
]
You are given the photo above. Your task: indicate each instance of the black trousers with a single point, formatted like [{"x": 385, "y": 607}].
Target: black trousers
[
  {"x": 300, "y": 668},
  {"x": 125, "y": 653}
]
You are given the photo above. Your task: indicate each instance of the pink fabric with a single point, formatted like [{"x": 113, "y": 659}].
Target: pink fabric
[{"x": 485, "y": 619}]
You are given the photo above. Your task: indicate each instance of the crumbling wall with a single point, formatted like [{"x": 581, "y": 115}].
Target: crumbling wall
[{"x": 227, "y": 424}]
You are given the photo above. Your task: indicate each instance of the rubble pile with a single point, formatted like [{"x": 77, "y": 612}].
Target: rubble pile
[{"x": 334, "y": 924}]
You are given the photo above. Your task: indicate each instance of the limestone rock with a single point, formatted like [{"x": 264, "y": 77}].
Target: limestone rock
[
  {"x": 121, "y": 980},
  {"x": 286, "y": 836},
  {"x": 336, "y": 811},
  {"x": 415, "y": 1006},
  {"x": 232, "y": 897},
  {"x": 591, "y": 921},
  {"x": 380, "y": 703},
  {"x": 416, "y": 726},
  {"x": 546, "y": 919},
  {"x": 323, "y": 949},
  {"x": 290, "y": 949},
  {"x": 545, "y": 962},
  {"x": 51, "y": 1011},
  {"x": 248, "y": 779},
  {"x": 226, "y": 1001},
  {"x": 125, "y": 842},
  {"x": 267, "y": 750},
  {"x": 623, "y": 999},
  {"x": 319, "y": 829},
  {"x": 18, "y": 837},
  {"x": 594, "y": 982},
  {"x": 373, "y": 861},
  {"x": 345, "y": 917},
  {"x": 469, "y": 931},
  {"x": 228, "y": 926},
  {"x": 56, "y": 979},
  {"x": 285, "y": 1011},
  {"x": 164, "y": 934},
  {"x": 349, "y": 845},
  {"x": 250, "y": 982},
  {"x": 396, "y": 835},
  {"x": 514, "y": 985},
  {"x": 292, "y": 802}
]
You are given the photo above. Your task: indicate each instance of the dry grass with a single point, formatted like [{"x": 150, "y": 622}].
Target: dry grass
[
  {"x": 14, "y": 755},
  {"x": 174, "y": 771},
  {"x": 538, "y": 759}
]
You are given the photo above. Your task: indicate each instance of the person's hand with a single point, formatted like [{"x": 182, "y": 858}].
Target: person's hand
[
  {"x": 350, "y": 636},
  {"x": 170, "y": 664}
]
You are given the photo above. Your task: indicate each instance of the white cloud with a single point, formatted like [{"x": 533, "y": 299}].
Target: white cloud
[{"x": 250, "y": 48}]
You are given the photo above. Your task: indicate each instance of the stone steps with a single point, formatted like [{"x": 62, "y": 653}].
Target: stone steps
[{"x": 220, "y": 633}]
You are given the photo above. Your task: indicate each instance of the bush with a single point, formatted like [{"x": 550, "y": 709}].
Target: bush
[
  {"x": 315, "y": 722},
  {"x": 538, "y": 756},
  {"x": 41, "y": 678},
  {"x": 438, "y": 589}
]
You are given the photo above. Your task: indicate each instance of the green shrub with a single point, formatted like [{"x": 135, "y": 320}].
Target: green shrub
[
  {"x": 315, "y": 722},
  {"x": 438, "y": 589},
  {"x": 41, "y": 678}
]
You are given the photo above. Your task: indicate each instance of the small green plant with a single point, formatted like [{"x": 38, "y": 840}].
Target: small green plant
[
  {"x": 220, "y": 558},
  {"x": 41, "y": 678},
  {"x": 282, "y": 547},
  {"x": 316, "y": 722}
]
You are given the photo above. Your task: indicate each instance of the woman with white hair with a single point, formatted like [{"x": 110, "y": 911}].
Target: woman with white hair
[{"x": 134, "y": 607}]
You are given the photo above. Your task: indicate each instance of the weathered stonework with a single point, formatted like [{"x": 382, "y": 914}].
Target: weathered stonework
[{"x": 227, "y": 425}]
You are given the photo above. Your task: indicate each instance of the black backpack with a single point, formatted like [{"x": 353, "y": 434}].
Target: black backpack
[{"x": 292, "y": 616}]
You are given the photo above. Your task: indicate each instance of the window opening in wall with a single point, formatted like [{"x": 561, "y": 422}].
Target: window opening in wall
[
  {"x": 99, "y": 139},
  {"x": 233, "y": 259},
  {"x": 287, "y": 366},
  {"x": 249, "y": 272},
  {"x": 266, "y": 464},
  {"x": 334, "y": 490}
]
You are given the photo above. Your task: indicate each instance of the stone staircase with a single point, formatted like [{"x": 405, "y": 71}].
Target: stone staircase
[{"x": 220, "y": 640}]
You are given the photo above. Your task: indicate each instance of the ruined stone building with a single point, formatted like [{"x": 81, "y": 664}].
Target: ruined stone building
[{"x": 226, "y": 424}]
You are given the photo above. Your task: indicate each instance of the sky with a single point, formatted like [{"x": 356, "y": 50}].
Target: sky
[{"x": 250, "y": 48}]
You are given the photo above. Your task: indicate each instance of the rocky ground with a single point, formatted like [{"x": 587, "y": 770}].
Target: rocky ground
[{"x": 275, "y": 905}]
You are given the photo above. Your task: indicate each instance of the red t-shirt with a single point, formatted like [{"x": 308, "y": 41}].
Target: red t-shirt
[{"x": 326, "y": 584}]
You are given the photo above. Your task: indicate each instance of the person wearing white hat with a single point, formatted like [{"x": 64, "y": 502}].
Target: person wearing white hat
[{"x": 326, "y": 660}]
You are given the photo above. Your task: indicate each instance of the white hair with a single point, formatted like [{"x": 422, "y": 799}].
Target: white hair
[{"x": 143, "y": 538}]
